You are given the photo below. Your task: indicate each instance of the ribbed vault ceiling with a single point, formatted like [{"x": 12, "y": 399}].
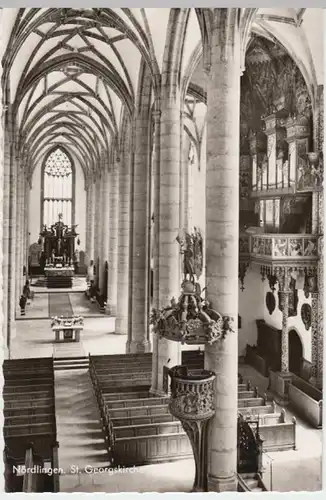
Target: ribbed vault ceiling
[{"x": 70, "y": 72}]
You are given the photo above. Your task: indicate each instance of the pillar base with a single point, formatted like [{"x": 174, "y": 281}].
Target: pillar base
[
  {"x": 121, "y": 326},
  {"x": 220, "y": 485},
  {"x": 279, "y": 385},
  {"x": 111, "y": 310},
  {"x": 135, "y": 347},
  {"x": 157, "y": 393}
]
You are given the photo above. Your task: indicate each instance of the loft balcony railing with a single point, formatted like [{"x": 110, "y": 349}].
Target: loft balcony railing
[{"x": 279, "y": 247}]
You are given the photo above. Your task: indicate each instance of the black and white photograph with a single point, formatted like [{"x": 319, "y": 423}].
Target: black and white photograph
[{"x": 162, "y": 249}]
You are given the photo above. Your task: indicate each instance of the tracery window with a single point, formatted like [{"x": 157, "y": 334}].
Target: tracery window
[{"x": 58, "y": 181}]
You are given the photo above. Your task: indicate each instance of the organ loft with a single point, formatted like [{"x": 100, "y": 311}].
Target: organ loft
[{"x": 162, "y": 231}]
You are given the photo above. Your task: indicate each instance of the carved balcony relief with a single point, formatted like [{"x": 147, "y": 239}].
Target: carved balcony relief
[
  {"x": 296, "y": 251},
  {"x": 284, "y": 246},
  {"x": 192, "y": 403}
]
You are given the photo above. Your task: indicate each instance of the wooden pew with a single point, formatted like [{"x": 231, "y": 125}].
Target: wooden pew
[
  {"x": 13, "y": 404},
  {"x": 28, "y": 396},
  {"x": 135, "y": 411},
  {"x": 28, "y": 411},
  {"x": 28, "y": 362},
  {"x": 122, "y": 357},
  {"x": 142, "y": 450},
  {"x": 21, "y": 390},
  {"x": 116, "y": 396},
  {"x": 145, "y": 419},
  {"x": 125, "y": 403},
  {"x": 14, "y": 381},
  {"x": 248, "y": 402},
  {"x": 155, "y": 428},
  {"x": 28, "y": 419}
]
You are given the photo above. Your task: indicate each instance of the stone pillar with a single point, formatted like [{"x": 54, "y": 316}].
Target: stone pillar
[
  {"x": 26, "y": 215},
  {"x": 105, "y": 223},
  {"x": 97, "y": 222},
  {"x": 187, "y": 194},
  {"x": 138, "y": 339},
  {"x": 121, "y": 324},
  {"x": 191, "y": 165},
  {"x": 88, "y": 219},
  {"x": 24, "y": 223},
  {"x": 283, "y": 276},
  {"x": 19, "y": 233},
  {"x": 168, "y": 353},
  {"x": 3, "y": 306},
  {"x": 12, "y": 244},
  {"x": 113, "y": 242},
  {"x": 279, "y": 381},
  {"x": 182, "y": 178},
  {"x": 156, "y": 236},
  {"x": 91, "y": 208},
  {"x": 222, "y": 241},
  {"x": 100, "y": 232}
]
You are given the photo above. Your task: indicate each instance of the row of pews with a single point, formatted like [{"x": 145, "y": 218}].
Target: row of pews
[
  {"x": 139, "y": 427},
  {"x": 30, "y": 434}
]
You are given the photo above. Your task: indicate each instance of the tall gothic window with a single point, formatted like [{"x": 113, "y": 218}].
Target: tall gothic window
[{"x": 58, "y": 183}]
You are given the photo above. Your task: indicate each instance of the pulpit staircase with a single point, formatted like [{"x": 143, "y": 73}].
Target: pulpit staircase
[{"x": 250, "y": 452}]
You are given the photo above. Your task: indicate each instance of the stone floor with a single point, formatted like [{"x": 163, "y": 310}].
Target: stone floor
[{"x": 80, "y": 435}]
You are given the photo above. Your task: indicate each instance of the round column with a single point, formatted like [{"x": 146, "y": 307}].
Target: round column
[
  {"x": 187, "y": 185},
  {"x": 168, "y": 353},
  {"x": 19, "y": 234},
  {"x": 26, "y": 216},
  {"x": 156, "y": 236},
  {"x": 222, "y": 241},
  {"x": 2, "y": 229},
  {"x": 100, "y": 233},
  {"x": 13, "y": 181},
  {"x": 105, "y": 224},
  {"x": 121, "y": 324},
  {"x": 138, "y": 340},
  {"x": 113, "y": 242},
  {"x": 92, "y": 199}
]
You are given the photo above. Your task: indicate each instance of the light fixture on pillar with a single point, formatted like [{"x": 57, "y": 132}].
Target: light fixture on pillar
[{"x": 191, "y": 320}]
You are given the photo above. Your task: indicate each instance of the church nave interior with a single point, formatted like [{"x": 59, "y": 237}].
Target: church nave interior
[{"x": 162, "y": 221}]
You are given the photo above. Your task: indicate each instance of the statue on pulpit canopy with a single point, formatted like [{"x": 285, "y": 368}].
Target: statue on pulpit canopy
[{"x": 192, "y": 250}]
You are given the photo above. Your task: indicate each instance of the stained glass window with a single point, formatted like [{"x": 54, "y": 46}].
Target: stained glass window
[{"x": 57, "y": 188}]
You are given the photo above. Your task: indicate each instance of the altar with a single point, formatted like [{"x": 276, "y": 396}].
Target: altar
[
  {"x": 67, "y": 329},
  {"x": 59, "y": 277},
  {"x": 59, "y": 250}
]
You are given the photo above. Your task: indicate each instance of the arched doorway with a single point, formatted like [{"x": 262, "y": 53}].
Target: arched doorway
[{"x": 295, "y": 352}]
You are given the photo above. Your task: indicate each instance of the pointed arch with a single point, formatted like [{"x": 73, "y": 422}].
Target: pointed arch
[{"x": 56, "y": 195}]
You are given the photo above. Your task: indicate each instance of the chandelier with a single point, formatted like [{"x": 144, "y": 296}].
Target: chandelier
[{"x": 191, "y": 319}]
